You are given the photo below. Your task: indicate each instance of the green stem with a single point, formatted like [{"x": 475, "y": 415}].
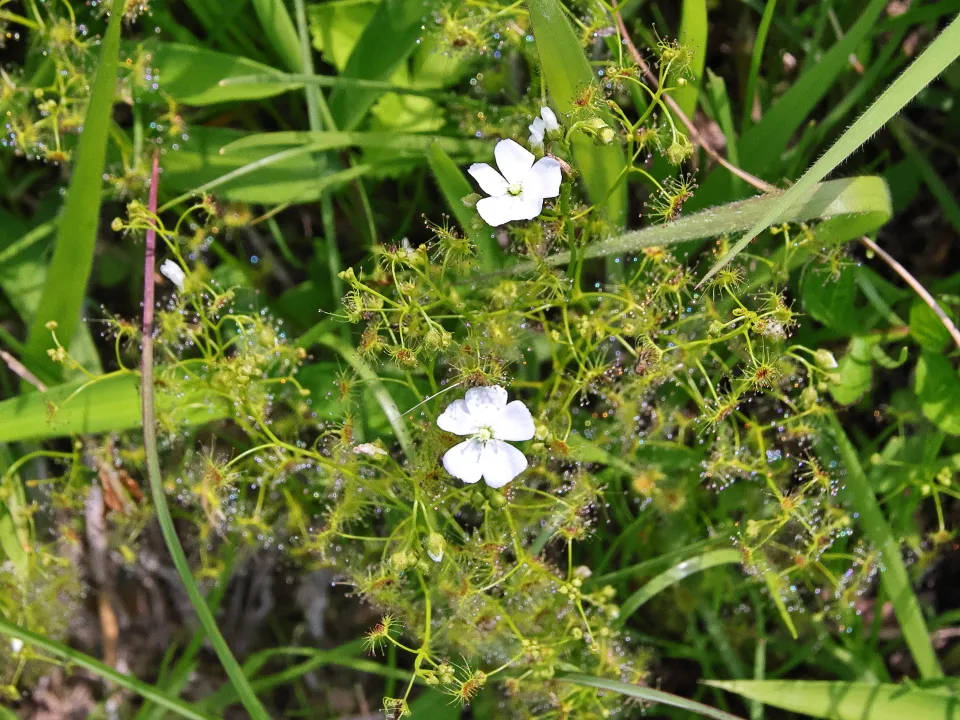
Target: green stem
[{"x": 230, "y": 665}]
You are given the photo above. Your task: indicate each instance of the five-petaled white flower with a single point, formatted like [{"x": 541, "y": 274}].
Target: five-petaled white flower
[
  {"x": 545, "y": 123},
  {"x": 518, "y": 193},
  {"x": 174, "y": 273},
  {"x": 486, "y": 416}
]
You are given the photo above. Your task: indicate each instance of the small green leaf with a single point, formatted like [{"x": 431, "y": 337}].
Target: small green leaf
[
  {"x": 937, "y": 386},
  {"x": 831, "y": 301},
  {"x": 846, "y": 701},
  {"x": 855, "y": 375},
  {"x": 191, "y": 75},
  {"x": 926, "y": 328}
]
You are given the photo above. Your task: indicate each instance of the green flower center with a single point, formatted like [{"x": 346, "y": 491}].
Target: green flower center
[
  {"x": 515, "y": 189},
  {"x": 484, "y": 434}
]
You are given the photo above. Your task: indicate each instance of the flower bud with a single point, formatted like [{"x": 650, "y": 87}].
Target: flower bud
[
  {"x": 435, "y": 546},
  {"x": 825, "y": 359}
]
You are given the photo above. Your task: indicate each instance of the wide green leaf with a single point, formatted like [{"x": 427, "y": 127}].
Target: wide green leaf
[
  {"x": 854, "y": 376},
  {"x": 468, "y": 149},
  {"x": 847, "y": 701},
  {"x": 931, "y": 62},
  {"x": 66, "y": 285},
  {"x": 937, "y": 385},
  {"x": 832, "y": 300},
  {"x": 109, "y": 404},
  {"x": 192, "y": 75},
  {"x": 256, "y": 175},
  {"x": 567, "y": 72},
  {"x": 927, "y": 329},
  {"x": 388, "y": 39}
]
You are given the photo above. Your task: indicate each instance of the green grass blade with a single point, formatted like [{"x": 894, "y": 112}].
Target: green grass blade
[
  {"x": 105, "y": 671},
  {"x": 852, "y": 207},
  {"x": 847, "y": 701},
  {"x": 298, "y": 79},
  {"x": 648, "y": 694},
  {"x": 693, "y": 34},
  {"x": 567, "y": 72},
  {"x": 674, "y": 575},
  {"x": 931, "y": 62},
  {"x": 833, "y": 441},
  {"x": 467, "y": 148},
  {"x": 196, "y": 75},
  {"x": 278, "y": 27},
  {"x": 387, "y": 41},
  {"x": 63, "y": 294},
  {"x": 110, "y": 403},
  {"x": 759, "y": 43},
  {"x": 454, "y": 187}
]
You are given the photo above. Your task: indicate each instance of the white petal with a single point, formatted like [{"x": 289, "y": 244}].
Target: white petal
[
  {"x": 174, "y": 273},
  {"x": 501, "y": 463},
  {"x": 513, "y": 160},
  {"x": 529, "y": 202},
  {"x": 514, "y": 423},
  {"x": 549, "y": 118},
  {"x": 486, "y": 404},
  {"x": 537, "y": 128},
  {"x": 497, "y": 211},
  {"x": 457, "y": 419},
  {"x": 435, "y": 558},
  {"x": 549, "y": 174},
  {"x": 489, "y": 180},
  {"x": 16, "y": 644},
  {"x": 463, "y": 461}
]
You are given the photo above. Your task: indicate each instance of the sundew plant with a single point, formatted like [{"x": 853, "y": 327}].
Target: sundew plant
[{"x": 394, "y": 358}]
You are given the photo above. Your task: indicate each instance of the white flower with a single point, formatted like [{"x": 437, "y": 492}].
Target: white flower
[
  {"x": 489, "y": 420},
  {"x": 517, "y": 193},
  {"x": 547, "y": 122},
  {"x": 174, "y": 273},
  {"x": 16, "y": 644},
  {"x": 435, "y": 545}
]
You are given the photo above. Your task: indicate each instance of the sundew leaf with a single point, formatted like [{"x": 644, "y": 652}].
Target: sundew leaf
[
  {"x": 847, "y": 701},
  {"x": 931, "y": 62},
  {"x": 66, "y": 284},
  {"x": 648, "y": 694},
  {"x": 567, "y": 72},
  {"x": 194, "y": 75}
]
